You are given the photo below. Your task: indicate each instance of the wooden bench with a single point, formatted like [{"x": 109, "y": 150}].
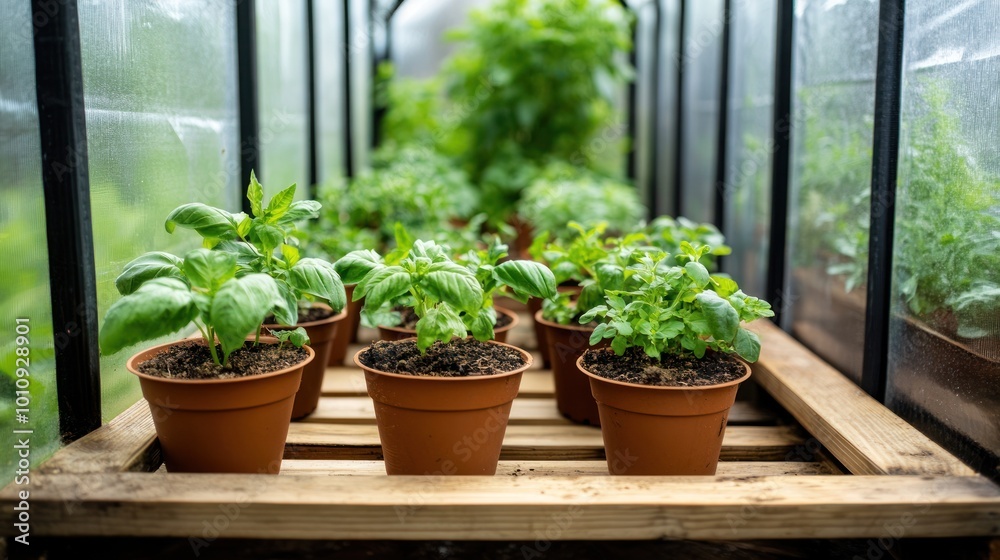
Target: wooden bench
[{"x": 832, "y": 463}]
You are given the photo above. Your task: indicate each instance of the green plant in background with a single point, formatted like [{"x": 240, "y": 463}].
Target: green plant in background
[
  {"x": 441, "y": 290},
  {"x": 678, "y": 309},
  {"x": 563, "y": 193},
  {"x": 261, "y": 243},
  {"x": 667, "y": 234},
  {"x": 534, "y": 80}
]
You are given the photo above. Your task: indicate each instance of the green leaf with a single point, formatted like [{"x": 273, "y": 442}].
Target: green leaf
[
  {"x": 725, "y": 287},
  {"x": 288, "y": 312},
  {"x": 290, "y": 254},
  {"x": 279, "y": 204},
  {"x": 240, "y": 306},
  {"x": 747, "y": 345},
  {"x": 318, "y": 278},
  {"x": 481, "y": 324},
  {"x": 209, "y": 269},
  {"x": 297, "y": 337},
  {"x": 527, "y": 277},
  {"x": 698, "y": 273},
  {"x": 619, "y": 344},
  {"x": 382, "y": 285},
  {"x": 439, "y": 323},
  {"x": 355, "y": 265},
  {"x": 300, "y": 210},
  {"x": 159, "y": 307},
  {"x": 245, "y": 253},
  {"x": 722, "y": 319},
  {"x": 151, "y": 265},
  {"x": 208, "y": 221},
  {"x": 255, "y": 193},
  {"x": 459, "y": 289},
  {"x": 268, "y": 236}
]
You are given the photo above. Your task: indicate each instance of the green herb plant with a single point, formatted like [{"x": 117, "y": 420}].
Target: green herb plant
[
  {"x": 667, "y": 234},
  {"x": 678, "y": 309}
]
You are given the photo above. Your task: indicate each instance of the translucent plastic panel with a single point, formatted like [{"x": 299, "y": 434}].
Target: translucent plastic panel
[
  {"x": 700, "y": 121},
  {"x": 282, "y": 85},
  {"x": 25, "y": 302},
  {"x": 328, "y": 18},
  {"x": 361, "y": 83},
  {"x": 750, "y": 142},
  {"x": 666, "y": 125},
  {"x": 944, "y": 373},
  {"x": 833, "y": 103},
  {"x": 162, "y": 130},
  {"x": 643, "y": 104},
  {"x": 418, "y": 28}
]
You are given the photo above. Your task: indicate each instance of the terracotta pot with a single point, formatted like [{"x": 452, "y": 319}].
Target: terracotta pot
[
  {"x": 662, "y": 430},
  {"x": 322, "y": 335},
  {"x": 442, "y": 425},
  {"x": 347, "y": 332},
  {"x": 221, "y": 425},
  {"x": 499, "y": 335},
  {"x": 566, "y": 343},
  {"x": 534, "y": 306}
]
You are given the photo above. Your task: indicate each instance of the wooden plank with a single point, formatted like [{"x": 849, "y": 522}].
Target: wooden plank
[
  {"x": 125, "y": 443},
  {"x": 508, "y": 508},
  {"x": 350, "y": 381},
  {"x": 561, "y": 443},
  {"x": 535, "y": 411},
  {"x": 858, "y": 430},
  {"x": 550, "y": 468}
]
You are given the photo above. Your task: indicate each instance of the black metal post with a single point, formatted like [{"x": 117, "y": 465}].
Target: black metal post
[
  {"x": 348, "y": 94},
  {"x": 885, "y": 155},
  {"x": 631, "y": 165},
  {"x": 721, "y": 190},
  {"x": 782, "y": 134},
  {"x": 246, "y": 42},
  {"x": 654, "y": 109},
  {"x": 311, "y": 98},
  {"x": 679, "y": 114},
  {"x": 375, "y": 117},
  {"x": 66, "y": 183}
]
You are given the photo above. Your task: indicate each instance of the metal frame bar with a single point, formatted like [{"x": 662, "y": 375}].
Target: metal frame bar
[
  {"x": 246, "y": 44},
  {"x": 654, "y": 106},
  {"x": 311, "y": 99},
  {"x": 348, "y": 127},
  {"x": 885, "y": 156},
  {"x": 69, "y": 231},
  {"x": 679, "y": 112},
  {"x": 719, "y": 213},
  {"x": 782, "y": 134}
]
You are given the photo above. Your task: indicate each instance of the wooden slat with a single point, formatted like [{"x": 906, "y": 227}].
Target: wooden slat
[
  {"x": 361, "y": 410},
  {"x": 550, "y": 468},
  {"x": 508, "y": 508},
  {"x": 125, "y": 443},
  {"x": 571, "y": 442},
  {"x": 859, "y": 431},
  {"x": 350, "y": 381}
]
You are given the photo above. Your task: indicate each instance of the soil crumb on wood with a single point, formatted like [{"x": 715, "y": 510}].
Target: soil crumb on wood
[
  {"x": 194, "y": 361},
  {"x": 409, "y": 319},
  {"x": 670, "y": 371},
  {"x": 306, "y": 315},
  {"x": 459, "y": 358}
]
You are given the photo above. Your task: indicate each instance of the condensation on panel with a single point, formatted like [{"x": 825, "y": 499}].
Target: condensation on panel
[
  {"x": 829, "y": 211},
  {"x": 282, "y": 85},
  {"x": 750, "y": 142},
  {"x": 418, "y": 28},
  {"x": 24, "y": 277},
  {"x": 944, "y": 372},
  {"x": 328, "y": 18},
  {"x": 702, "y": 57},
  {"x": 162, "y": 130}
]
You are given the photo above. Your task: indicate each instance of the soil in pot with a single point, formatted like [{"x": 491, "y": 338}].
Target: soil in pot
[
  {"x": 673, "y": 420},
  {"x": 444, "y": 412},
  {"x": 235, "y": 420},
  {"x": 322, "y": 325},
  {"x": 506, "y": 320},
  {"x": 565, "y": 344}
]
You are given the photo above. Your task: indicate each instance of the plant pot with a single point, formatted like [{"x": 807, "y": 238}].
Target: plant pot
[
  {"x": 322, "y": 336},
  {"x": 534, "y": 306},
  {"x": 565, "y": 345},
  {"x": 442, "y": 425},
  {"x": 347, "y": 332},
  {"x": 650, "y": 430},
  {"x": 400, "y": 333},
  {"x": 221, "y": 425}
]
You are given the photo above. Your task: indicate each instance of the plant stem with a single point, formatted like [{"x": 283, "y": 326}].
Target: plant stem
[{"x": 211, "y": 347}]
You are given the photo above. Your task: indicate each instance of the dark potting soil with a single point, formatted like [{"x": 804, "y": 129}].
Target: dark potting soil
[
  {"x": 194, "y": 361},
  {"x": 306, "y": 315},
  {"x": 409, "y": 319},
  {"x": 458, "y": 358},
  {"x": 670, "y": 371}
]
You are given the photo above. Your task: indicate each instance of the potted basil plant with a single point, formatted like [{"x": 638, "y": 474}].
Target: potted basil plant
[
  {"x": 313, "y": 293},
  {"x": 221, "y": 403},
  {"x": 442, "y": 399},
  {"x": 677, "y": 356}
]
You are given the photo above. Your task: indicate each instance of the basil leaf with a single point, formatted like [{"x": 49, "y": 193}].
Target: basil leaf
[
  {"x": 240, "y": 307},
  {"x": 382, "y": 285},
  {"x": 459, "y": 289},
  {"x": 279, "y": 204},
  {"x": 208, "y": 221},
  {"x": 354, "y": 266},
  {"x": 255, "y": 193},
  {"x": 157, "y": 308},
  {"x": 209, "y": 269},
  {"x": 151, "y": 265},
  {"x": 439, "y": 323},
  {"x": 318, "y": 278},
  {"x": 481, "y": 325},
  {"x": 747, "y": 345},
  {"x": 300, "y": 210},
  {"x": 527, "y": 277},
  {"x": 722, "y": 319},
  {"x": 698, "y": 273}
]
